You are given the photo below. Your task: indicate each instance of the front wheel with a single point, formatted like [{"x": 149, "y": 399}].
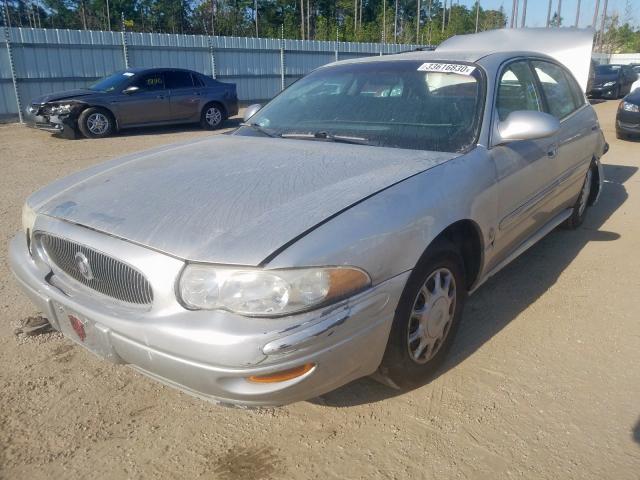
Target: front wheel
[
  {"x": 96, "y": 123},
  {"x": 212, "y": 117},
  {"x": 426, "y": 319},
  {"x": 580, "y": 207}
]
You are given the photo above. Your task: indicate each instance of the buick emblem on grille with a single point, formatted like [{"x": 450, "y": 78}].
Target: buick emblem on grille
[{"x": 84, "y": 267}]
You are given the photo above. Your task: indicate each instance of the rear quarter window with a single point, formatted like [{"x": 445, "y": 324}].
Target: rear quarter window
[{"x": 561, "y": 100}]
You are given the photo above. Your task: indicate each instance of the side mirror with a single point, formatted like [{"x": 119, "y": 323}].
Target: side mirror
[
  {"x": 131, "y": 89},
  {"x": 251, "y": 111},
  {"x": 526, "y": 125}
]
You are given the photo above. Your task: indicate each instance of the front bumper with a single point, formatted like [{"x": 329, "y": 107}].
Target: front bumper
[
  {"x": 628, "y": 122},
  {"x": 603, "y": 92},
  {"x": 211, "y": 354},
  {"x": 64, "y": 125}
]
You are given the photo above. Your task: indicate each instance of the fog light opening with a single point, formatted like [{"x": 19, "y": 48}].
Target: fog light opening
[{"x": 283, "y": 375}]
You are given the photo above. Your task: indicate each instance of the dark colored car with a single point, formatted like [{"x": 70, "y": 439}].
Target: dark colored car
[
  {"x": 136, "y": 97},
  {"x": 612, "y": 81},
  {"x": 628, "y": 117}
]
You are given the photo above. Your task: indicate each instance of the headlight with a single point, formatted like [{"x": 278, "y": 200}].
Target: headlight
[
  {"x": 61, "y": 109},
  {"x": 609, "y": 84},
  {"x": 28, "y": 218},
  {"x": 259, "y": 292},
  {"x": 630, "y": 107}
]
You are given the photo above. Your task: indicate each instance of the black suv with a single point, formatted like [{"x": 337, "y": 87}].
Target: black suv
[{"x": 612, "y": 81}]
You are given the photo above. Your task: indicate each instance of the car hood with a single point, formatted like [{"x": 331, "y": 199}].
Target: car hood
[
  {"x": 228, "y": 199},
  {"x": 65, "y": 95},
  {"x": 634, "y": 96}
]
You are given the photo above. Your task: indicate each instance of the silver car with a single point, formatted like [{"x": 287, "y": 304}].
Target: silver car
[{"x": 335, "y": 235}]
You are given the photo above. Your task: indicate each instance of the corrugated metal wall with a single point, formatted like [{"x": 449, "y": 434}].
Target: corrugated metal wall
[
  {"x": 624, "y": 58},
  {"x": 51, "y": 60}
]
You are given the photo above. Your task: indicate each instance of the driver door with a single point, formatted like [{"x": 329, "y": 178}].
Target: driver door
[
  {"x": 148, "y": 104},
  {"x": 526, "y": 169}
]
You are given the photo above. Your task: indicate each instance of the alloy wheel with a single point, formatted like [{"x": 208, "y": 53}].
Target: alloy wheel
[
  {"x": 213, "y": 116},
  {"x": 586, "y": 192},
  {"x": 431, "y": 316},
  {"x": 97, "y": 123}
]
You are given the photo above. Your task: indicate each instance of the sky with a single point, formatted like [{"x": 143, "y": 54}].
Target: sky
[{"x": 537, "y": 10}]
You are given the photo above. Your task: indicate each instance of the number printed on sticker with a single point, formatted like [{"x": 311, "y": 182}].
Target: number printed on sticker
[{"x": 447, "y": 68}]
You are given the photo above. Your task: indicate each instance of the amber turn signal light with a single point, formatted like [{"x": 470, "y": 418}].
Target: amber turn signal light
[{"x": 283, "y": 375}]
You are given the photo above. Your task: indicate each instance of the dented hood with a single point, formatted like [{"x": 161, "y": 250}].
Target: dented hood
[
  {"x": 227, "y": 199},
  {"x": 569, "y": 46}
]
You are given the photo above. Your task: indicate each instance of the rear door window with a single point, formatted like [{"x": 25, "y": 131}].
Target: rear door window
[
  {"x": 177, "y": 79},
  {"x": 557, "y": 89},
  {"x": 517, "y": 90}
]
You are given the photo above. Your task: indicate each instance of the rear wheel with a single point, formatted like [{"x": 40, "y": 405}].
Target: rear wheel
[
  {"x": 426, "y": 319},
  {"x": 212, "y": 117},
  {"x": 580, "y": 207},
  {"x": 96, "y": 123}
]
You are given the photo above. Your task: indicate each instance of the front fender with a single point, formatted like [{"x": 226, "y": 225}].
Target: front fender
[{"x": 387, "y": 233}]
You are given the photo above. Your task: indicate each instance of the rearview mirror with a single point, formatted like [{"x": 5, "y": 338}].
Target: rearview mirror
[
  {"x": 251, "y": 111},
  {"x": 526, "y": 125},
  {"x": 131, "y": 89}
]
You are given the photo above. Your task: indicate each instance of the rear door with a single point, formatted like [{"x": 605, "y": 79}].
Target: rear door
[
  {"x": 149, "y": 104},
  {"x": 578, "y": 133},
  {"x": 185, "y": 96},
  {"x": 525, "y": 169}
]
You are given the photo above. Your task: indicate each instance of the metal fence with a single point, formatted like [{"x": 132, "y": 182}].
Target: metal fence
[{"x": 39, "y": 61}]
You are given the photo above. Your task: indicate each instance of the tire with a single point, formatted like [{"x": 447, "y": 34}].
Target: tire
[
  {"x": 212, "y": 116},
  {"x": 580, "y": 208},
  {"x": 402, "y": 363},
  {"x": 96, "y": 122}
]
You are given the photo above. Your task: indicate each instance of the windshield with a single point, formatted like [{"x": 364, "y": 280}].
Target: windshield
[
  {"x": 401, "y": 104},
  {"x": 607, "y": 69},
  {"x": 112, "y": 82}
]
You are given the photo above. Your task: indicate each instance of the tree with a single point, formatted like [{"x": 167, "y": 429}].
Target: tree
[{"x": 418, "y": 21}]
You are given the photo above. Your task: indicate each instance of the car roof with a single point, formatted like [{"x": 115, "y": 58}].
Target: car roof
[
  {"x": 570, "y": 47},
  {"x": 157, "y": 69},
  {"x": 481, "y": 57}
]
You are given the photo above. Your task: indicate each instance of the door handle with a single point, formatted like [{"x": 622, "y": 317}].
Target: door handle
[
  {"x": 553, "y": 151},
  {"x": 161, "y": 97},
  {"x": 594, "y": 128}
]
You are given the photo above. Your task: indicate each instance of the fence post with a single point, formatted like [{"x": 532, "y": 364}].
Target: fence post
[
  {"x": 337, "y": 42},
  {"x": 12, "y": 67},
  {"x": 212, "y": 53},
  {"x": 282, "y": 65},
  {"x": 125, "y": 50}
]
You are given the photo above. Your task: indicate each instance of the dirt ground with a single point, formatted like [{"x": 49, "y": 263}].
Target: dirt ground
[{"x": 543, "y": 380}]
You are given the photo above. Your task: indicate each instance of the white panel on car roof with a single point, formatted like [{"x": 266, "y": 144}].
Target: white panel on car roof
[{"x": 569, "y": 46}]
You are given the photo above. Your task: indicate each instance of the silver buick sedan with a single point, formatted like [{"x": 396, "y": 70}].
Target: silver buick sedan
[{"x": 336, "y": 234}]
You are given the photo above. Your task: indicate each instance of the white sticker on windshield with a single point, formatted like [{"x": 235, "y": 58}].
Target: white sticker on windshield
[
  {"x": 447, "y": 68},
  {"x": 128, "y": 74}
]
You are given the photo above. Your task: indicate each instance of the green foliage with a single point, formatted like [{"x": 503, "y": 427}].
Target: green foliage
[
  {"x": 327, "y": 19},
  {"x": 619, "y": 38}
]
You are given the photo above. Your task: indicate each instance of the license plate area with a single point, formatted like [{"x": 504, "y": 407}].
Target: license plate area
[{"x": 85, "y": 332}]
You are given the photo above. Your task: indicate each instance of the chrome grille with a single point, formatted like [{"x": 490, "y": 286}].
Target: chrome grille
[{"x": 104, "y": 274}]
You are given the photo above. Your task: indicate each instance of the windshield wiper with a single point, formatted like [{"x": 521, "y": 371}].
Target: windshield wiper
[
  {"x": 324, "y": 136},
  {"x": 260, "y": 129}
]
